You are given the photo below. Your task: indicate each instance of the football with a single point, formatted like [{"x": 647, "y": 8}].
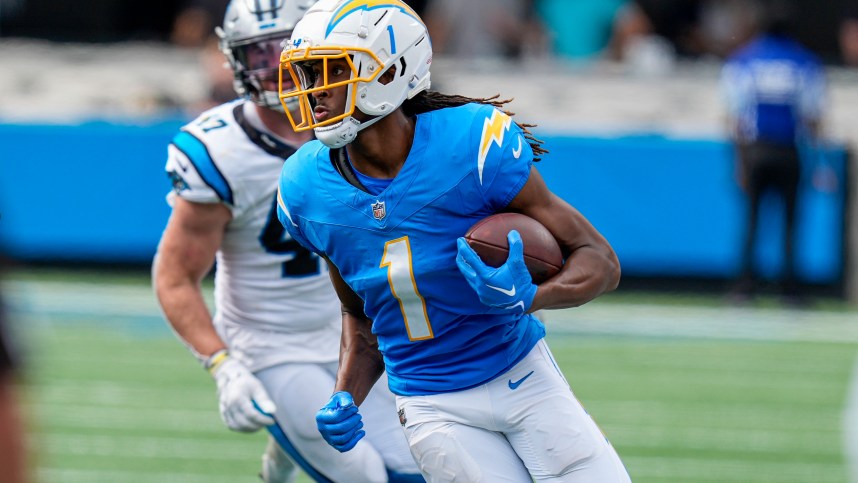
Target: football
[{"x": 542, "y": 253}]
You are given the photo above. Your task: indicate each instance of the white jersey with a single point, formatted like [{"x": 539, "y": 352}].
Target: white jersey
[{"x": 274, "y": 301}]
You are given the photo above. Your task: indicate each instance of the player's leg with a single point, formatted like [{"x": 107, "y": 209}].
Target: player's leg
[
  {"x": 790, "y": 175},
  {"x": 753, "y": 192},
  {"x": 299, "y": 390},
  {"x": 277, "y": 467},
  {"x": 448, "y": 445},
  {"x": 547, "y": 426},
  {"x": 384, "y": 432},
  {"x": 742, "y": 287}
]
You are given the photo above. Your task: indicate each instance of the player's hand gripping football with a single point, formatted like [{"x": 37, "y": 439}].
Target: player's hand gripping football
[
  {"x": 340, "y": 422},
  {"x": 244, "y": 404},
  {"x": 509, "y": 286}
]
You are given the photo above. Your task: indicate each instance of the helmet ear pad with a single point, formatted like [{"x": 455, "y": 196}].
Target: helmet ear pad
[{"x": 374, "y": 97}]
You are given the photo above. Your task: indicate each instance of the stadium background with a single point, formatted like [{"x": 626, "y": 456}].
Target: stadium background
[{"x": 688, "y": 387}]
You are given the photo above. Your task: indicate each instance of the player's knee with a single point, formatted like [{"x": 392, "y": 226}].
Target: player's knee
[
  {"x": 440, "y": 454},
  {"x": 602, "y": 466},
  {"x": 569, "y": 452}
]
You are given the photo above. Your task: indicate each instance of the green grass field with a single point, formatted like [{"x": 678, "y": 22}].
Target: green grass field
[{"x": 686, "y": 389}]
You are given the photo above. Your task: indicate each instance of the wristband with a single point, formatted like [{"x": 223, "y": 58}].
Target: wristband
[{"x": 215, "y": 360}]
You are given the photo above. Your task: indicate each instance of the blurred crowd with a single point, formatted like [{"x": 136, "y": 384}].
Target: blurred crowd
[
  {"x": 643, "y": 32},
  {"x": 638, "y": 36},
  {"x": 648, "y": 36},
  {"x": 637, "y": 31}
]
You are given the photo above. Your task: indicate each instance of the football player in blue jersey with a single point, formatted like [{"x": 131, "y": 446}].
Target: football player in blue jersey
[
  {"x": 272, "y": 344},
  {"x": 395, "y": 178}
]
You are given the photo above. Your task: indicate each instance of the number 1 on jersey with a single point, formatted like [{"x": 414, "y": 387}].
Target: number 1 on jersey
[{"x": 400, "y": 276}]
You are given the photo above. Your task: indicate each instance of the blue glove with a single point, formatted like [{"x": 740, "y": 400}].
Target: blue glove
[
  {"x": 509, "y": 286},
  {"x": 339, "y": 422}
]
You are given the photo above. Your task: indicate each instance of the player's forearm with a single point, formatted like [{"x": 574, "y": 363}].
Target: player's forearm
[
  {"x": 586, "y": 274},
  {"x": 361, "y": 363},
  {"x": 183, "y": 304}
]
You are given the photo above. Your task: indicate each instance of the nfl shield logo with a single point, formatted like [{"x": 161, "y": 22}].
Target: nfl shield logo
[{"x": 378, "y": 210}]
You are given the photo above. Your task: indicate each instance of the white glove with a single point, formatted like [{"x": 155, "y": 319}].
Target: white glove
[{"x": 244, "y": 404}]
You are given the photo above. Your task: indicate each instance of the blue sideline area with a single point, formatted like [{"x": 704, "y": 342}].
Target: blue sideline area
[{"x": 95, "y": 193}]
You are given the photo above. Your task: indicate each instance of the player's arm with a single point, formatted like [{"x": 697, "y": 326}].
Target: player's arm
[
  {"x": 186, "y": 254},
  {"x": 591, "y": 266},
  {"x": 339, "y": 421},
  {"x": 361, "y": 363}
]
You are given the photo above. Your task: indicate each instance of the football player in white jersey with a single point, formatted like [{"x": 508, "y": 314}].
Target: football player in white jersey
[{"x": 272, "y": 345}]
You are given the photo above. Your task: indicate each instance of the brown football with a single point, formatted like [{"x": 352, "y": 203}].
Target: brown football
[{"x": 542, "y": 254}]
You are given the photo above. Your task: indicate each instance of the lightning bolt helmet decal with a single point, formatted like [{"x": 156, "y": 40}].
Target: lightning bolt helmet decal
[
  {"x": 356, "y": 5},
  {"x": 494, "y": 129}
]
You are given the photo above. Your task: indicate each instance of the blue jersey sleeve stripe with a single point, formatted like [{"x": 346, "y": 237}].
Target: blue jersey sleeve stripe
[{"x": 198, "y": 154}]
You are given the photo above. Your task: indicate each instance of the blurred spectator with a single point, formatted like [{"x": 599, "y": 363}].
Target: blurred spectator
[
  {"x": 579, "y": 29},
  {"x": 726, "y": 25},
  {"x": 775, "y": 92},
  {"x": 483, "y": 29},
  {"x": 848, "y": 37},
  {"x": 650, "y": 35},
  {"x": 636, "y": 42},
  {"x": 13, "y": 450},
  {"x": 675, "y": 21},
  {"x": 194, "y": 25},
  {"x": 194, "y": 28},
  {"x": 221, "y": 87}
]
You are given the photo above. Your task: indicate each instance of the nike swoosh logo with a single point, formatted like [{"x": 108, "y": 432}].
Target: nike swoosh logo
[
  {"x": 514, "y": 385},
  {"x": 517, "y": 152},
  {"x": 519, "y": 304},
  {"x": 510, "y": 292}
]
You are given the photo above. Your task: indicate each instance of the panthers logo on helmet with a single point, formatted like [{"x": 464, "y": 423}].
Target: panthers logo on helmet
[
  {"x": 356, "y": 5},
  {"x": 179, "y": 183}
]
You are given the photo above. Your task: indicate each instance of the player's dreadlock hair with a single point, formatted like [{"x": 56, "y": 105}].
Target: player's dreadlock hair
[{"x": 431, "y": 101}]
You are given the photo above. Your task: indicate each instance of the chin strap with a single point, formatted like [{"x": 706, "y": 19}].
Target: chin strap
[{"x": 344, "y": 132}]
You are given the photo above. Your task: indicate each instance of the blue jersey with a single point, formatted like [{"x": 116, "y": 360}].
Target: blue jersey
[
  {"x": 773, "y": 86},
  {"x": 397, "y": 250}
]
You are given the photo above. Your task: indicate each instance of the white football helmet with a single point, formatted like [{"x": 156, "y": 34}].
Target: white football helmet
[
  {"x": 371, "y": 36},
  {"x": 252, "y": 37}
]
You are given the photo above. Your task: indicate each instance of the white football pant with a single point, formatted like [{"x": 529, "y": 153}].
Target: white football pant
[
  {"x": 299, "y": 390},
  {"x": 525, "y": 423}
]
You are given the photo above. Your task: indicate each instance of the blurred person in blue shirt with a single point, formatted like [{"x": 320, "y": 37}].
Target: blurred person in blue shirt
[{"x": 775, "y": 93}]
